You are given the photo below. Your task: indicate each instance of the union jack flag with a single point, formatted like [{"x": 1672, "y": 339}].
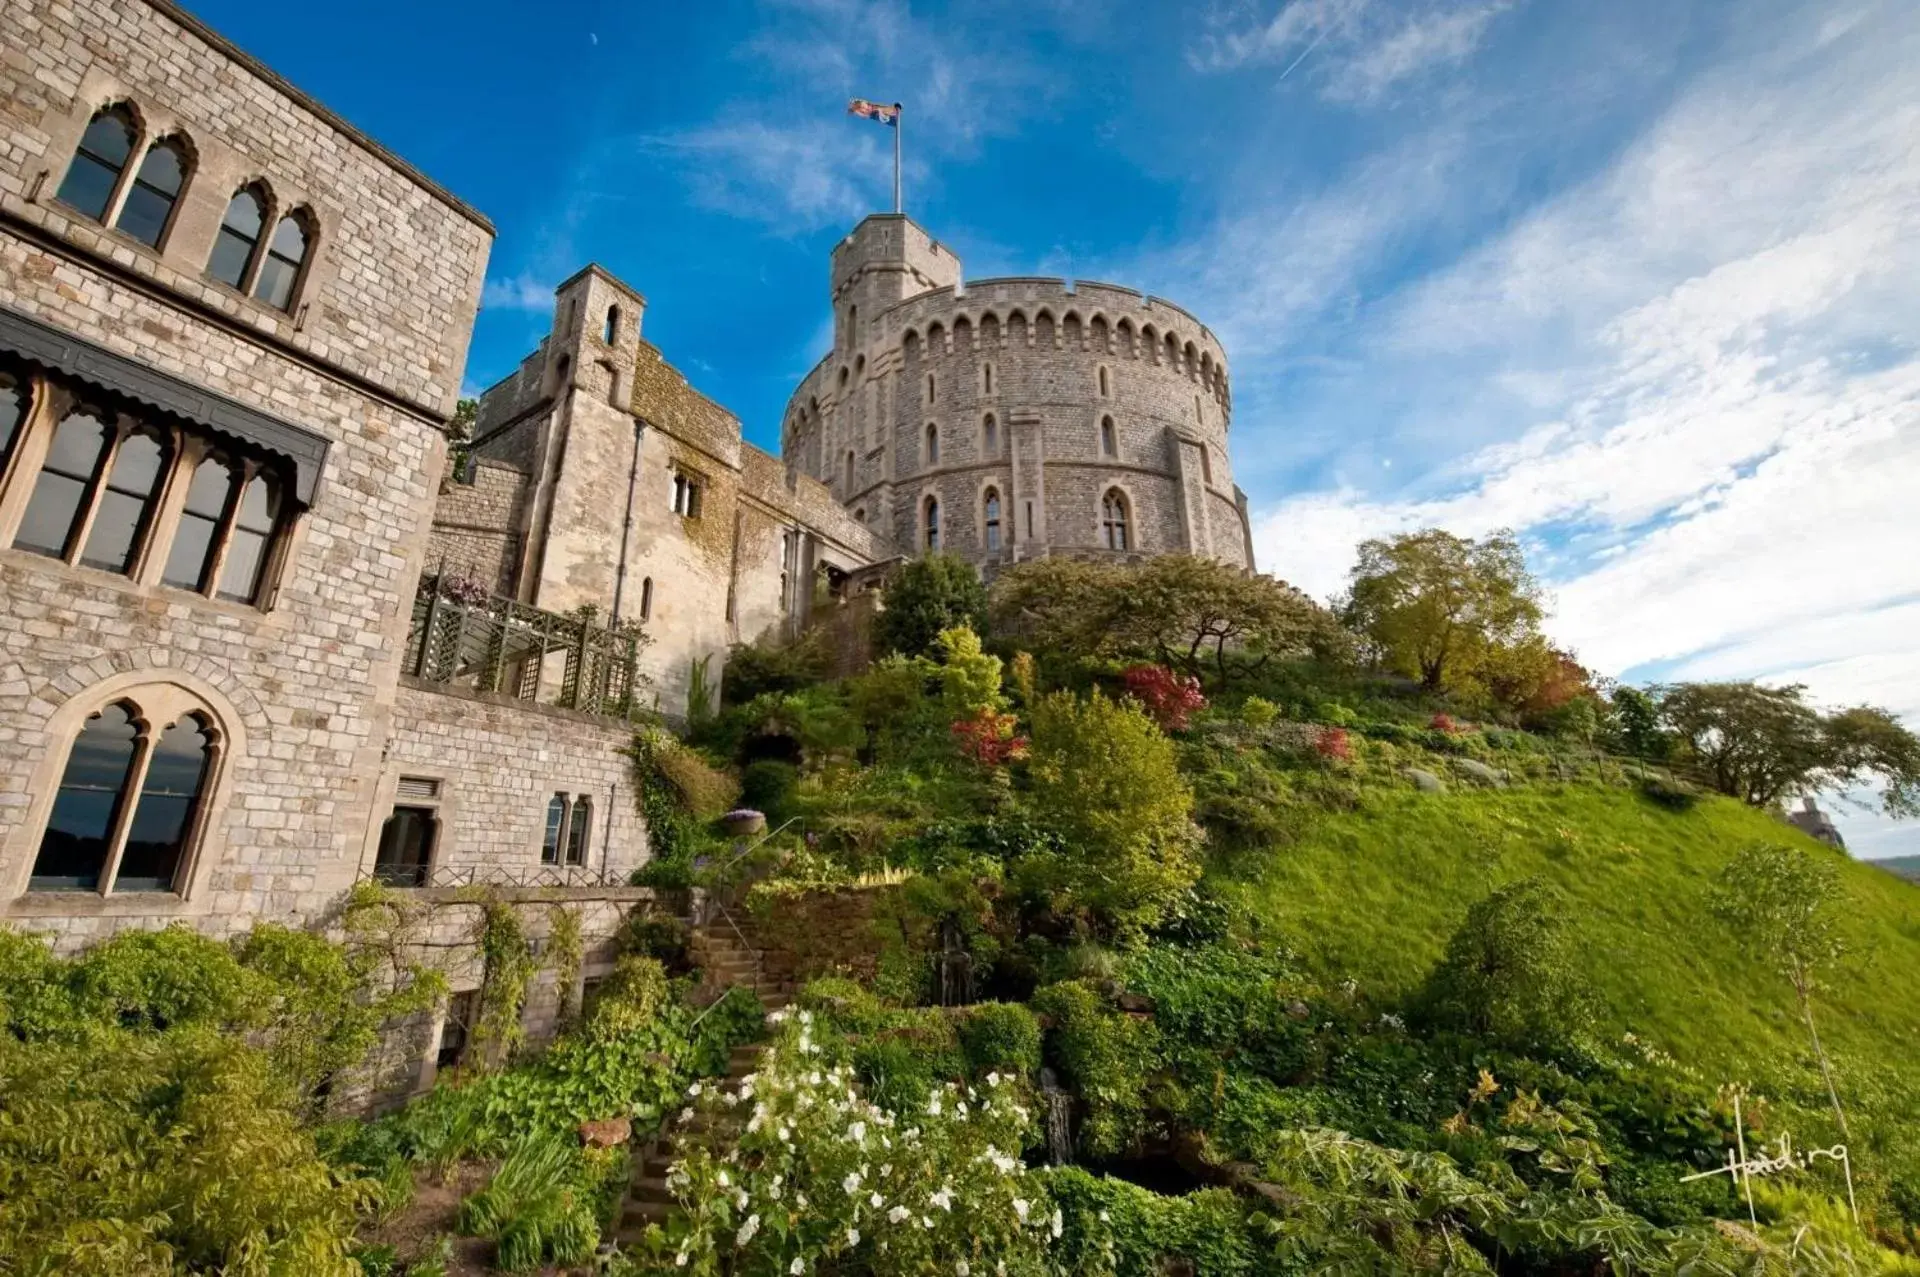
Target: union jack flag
[{"x": 880, "y": 111}]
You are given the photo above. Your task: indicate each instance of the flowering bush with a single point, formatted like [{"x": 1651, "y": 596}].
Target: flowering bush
[
  {"x": 1444, "y": 723},
  {"x": 989, "y": 738},
  {"x": 1170, "y": 698},
  {"x": 1334, "y": 745},
  {"x": 819, "y": 1175}
]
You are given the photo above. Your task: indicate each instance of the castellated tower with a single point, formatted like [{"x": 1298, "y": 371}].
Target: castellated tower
[{"x": 1006, "y": 419}]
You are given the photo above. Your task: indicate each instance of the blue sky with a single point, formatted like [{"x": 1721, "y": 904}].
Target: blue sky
[{"x": 1637, "y": 279}]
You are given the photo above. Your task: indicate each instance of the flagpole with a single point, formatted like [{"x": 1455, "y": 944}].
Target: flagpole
[{"x": 898, "y": 123}]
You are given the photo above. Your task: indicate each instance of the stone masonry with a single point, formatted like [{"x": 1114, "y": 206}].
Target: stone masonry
[{"x": 1046, "y": 394}]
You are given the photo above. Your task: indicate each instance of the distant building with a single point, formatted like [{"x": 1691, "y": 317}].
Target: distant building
[
  {"x": 1814, "y": 823},
  {"x": 1009, "y": 419}
]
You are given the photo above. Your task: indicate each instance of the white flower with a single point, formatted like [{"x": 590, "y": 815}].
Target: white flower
[
  {"x": 960, "y": 1109},
  {"x": 680, "y": 1260},
  {"x": 686, "y": 1115},
  {"x": 851, "y": 1184},
  {"x": 875, "y": 1201},
  {"x": 943, "y": 1199},
  {"x": 722, "y": 1180},
  {"x": 961, "y": 1269},
  {"x": 740, "y": 1198},
  {"x": 1056, "y": 1224},
  {"x": 1020, "y": 1208},
  {"x": 933, "y": 1104},
  {"x": 747, "y": 1230},
  {"x": 1104, "y": 1217},
  {"x": 796, "y": 1267},
  {"x": 777, "y": 1017},
  {"x": 897, "y": 1214},
  {"x": 806, "y": 1017},
  {"x": 853, "y": 1237},
  {"x": 993, "y": 1079},
  {"x": 886, "y": 1170},
  {"x": 800, "y": 1200},
  {"x": 693, "y": 1092},
  {"x": 857, "y": 1132},
  {"x": 926, "y": 1221},
  {"x": 813, "y": 1078}
]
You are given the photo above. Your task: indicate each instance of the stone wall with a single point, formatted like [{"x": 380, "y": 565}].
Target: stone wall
[
  {"x": 300, "y": 689},
  {"x": 403, "y": 1064},
  {"x": 498, "y": 763},
  {"x": 845, "y": 932},
  {"x": 478, "y": 525},
  {"x": 1016, "y": 376}
]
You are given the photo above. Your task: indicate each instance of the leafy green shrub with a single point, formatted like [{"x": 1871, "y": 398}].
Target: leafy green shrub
[
  {"x": 755, "y": 669},
  {"x": 1258, "y": 711},
  {"x": 538, "y": 1207},
  {"x": 1334, "y": 714},
  {"x": 1001, "y": 1037},
  {"x": 1111, "y": 1226},
  {"x": 1105, "y": 1057},
  {"x": 1107, "y": 782},
  {"x": 932, "y": 593},
  {"x": 703, "y": 790},
  {"x": 629, "y": 999},
  {"x": 659, "y": 936},
  {"x": 1510, "y": 971}
]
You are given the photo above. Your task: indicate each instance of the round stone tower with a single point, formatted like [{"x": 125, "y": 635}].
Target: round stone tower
[{"x": 1005, "y": 419}]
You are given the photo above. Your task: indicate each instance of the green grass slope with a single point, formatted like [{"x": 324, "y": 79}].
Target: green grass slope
[{"x": 1374, "y": 895}]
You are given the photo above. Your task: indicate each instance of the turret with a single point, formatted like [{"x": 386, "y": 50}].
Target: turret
[{"x": 887, "y": 259}]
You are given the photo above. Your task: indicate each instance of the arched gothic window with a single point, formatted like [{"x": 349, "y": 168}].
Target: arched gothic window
[
  {"x": 1109, "y": 442},
  {"x": 613, "y": 325},
  {"x": 286, "y": 256},
  {"x": 148, "y": 209},
  {"x": 646, "y": 599},
  {"x": 991, "y": 509},
  {"x": 239, "y": 238},
  {"x": 1113, "y": 519},
  {"x": 989, "y": 437},
  {"x": 579, "y": 830},
  {"x": 128, "y": 811},
  {"x": 931, "y": 524},
  {"x": 933, "y": 444},
  {"x": 556, "y": 830},
  {"x": 100, "y": 475},
  {"x": 101, "y": 158}
]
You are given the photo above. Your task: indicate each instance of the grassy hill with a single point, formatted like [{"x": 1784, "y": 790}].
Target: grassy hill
[
  {"x": 1374, "y": 895},
  {"x": 1907, "y": 867}
]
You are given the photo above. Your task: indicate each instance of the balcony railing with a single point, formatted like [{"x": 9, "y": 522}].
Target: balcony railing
[
  {"x": 483, "y": 875},
  {"x": 463, "y": 635}
]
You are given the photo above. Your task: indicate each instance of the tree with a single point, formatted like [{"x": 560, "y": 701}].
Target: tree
[
  {"x": 1509, "y": 972},
  {"x": 1195, "y": 615},
  {"x": 1763, "y": 745},
  {"x": 1434, "y": 605},
  {"x": 1636, "y": 722},
  {"x": 927, "y": 596},
  {"x": 1107, "y": 782},
  {"x": 1782, "y": 904}
]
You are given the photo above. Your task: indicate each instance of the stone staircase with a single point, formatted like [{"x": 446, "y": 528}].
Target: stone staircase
[{"x": 728, "y": 959}]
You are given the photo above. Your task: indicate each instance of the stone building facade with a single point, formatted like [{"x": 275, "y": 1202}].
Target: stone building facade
[
  {"x": 602, "y": 479},
  {"x": 232, "y": 336},
  {"x": 1007, "y": 419}
]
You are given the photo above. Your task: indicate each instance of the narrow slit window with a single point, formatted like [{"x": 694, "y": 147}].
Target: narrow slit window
[
  {"x": 169, "y": 802},
  {"x": 247, "y": 545},
  {"x": 60, "y": 493},
  {"x": 1109, "y": 444},
  {"x": 156, "y": 188},
  {"x": 286, "y": 254},
  {"x": 191, "y": 557},
  {"x": 849, "y": 480},
  {"x": 932, "y": 524},
  {"x": 1103, "y": 382},
  {"x": 646, "y": 599},
  {"x": 990, "y": 437},
  {"x": 102, "y": 157},
  {"x": 125, "y": 507},
  {"x": 579, "y": 830},
  {"x": 986, "y": 378},
  {"x": 556, "y": 830},
  {"x": 992, "y": 510},
  {"x": 612, "y": 330},
  {"x": 239, "y": 238},
  {"x": 933, "y": 445}
]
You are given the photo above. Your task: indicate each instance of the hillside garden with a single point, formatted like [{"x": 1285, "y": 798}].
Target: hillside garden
[{"x": 1212, "y": 931}]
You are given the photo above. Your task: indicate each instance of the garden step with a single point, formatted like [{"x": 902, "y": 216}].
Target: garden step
[
  {"x": 638, "y": 1214},
  {"x": 651, "y": 1188}
]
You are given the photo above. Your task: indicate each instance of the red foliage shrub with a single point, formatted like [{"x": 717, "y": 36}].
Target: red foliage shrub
[
  {"x": 1334, "y": 745},
  {"x": 989, "y": 738},
  {"x": 1444, "y": 723},
  {"x": 1169, "y": 698}
]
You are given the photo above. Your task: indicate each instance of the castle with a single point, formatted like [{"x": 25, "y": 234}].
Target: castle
[{"x": 267, "y": 636}]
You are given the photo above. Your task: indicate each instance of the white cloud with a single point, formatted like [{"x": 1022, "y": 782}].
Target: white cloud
[
  {"x": 800, "y": 175},
  {"x": 1360, "y": 48},
  {"x": 1692, "y": 382},
  {"x": 516, "y": 292}
]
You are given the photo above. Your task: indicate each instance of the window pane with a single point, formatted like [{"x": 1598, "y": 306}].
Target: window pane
[
  {"x": 13, "y": 409},
  {"x": 577, "y": 831},
  {"x": 247, "y": 547},
  {"x": 96, "y": 167},
  {"x": 156, "y": 841},
  {"x": 124, "y": 503},
  {"x": 556, "y": 817},
  {"x": 74, "y": 848},
  {"x": 239, "y": 233},
  {"x": 150, "y": 198},
  {"x": 258, "y": 505},
  {"x": 54, "y": 508},
  {"x": 275, "y": 286},
  {"x": 192, "y": 550}
]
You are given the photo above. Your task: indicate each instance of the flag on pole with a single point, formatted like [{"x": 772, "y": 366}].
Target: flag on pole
[{"x": 881, "y": 112}]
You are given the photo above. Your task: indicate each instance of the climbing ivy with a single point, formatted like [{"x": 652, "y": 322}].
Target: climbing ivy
[
  {"x": 508, "y": 967},
  {"x": 567, "y": 952}
]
